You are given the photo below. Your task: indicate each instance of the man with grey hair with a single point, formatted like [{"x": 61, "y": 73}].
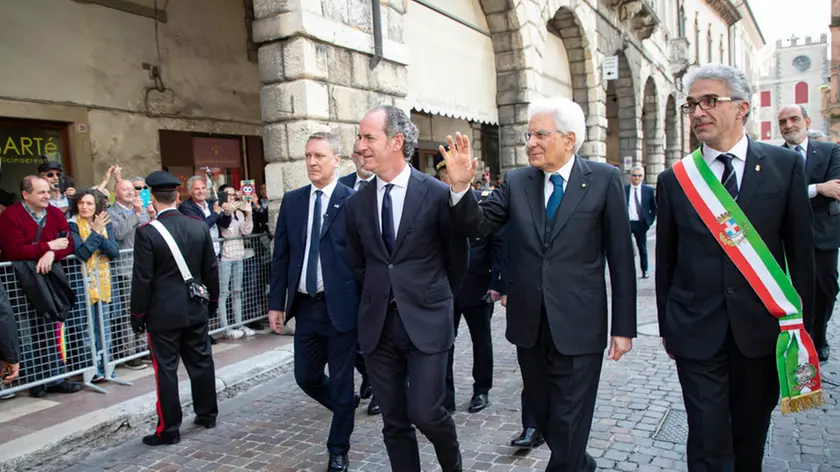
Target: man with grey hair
[
  {"x": 312, "y": 280},
  {"x": 409, "y": 261},
  {"x": 816, "y": 135},
  {"x": 213, "y": 214},
  {"x": 566, "y": 221},
  {"x": 822, "y": 173},
  {"x": 641, "y": 208},
  {"x": 712, "y": 322}
]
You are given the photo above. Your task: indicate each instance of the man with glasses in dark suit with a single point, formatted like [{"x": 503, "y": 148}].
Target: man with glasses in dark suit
[{"x": 641, "y": 208}]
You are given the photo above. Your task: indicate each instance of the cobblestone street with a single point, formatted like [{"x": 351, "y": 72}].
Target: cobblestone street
[{"x": 639, "y": 423}]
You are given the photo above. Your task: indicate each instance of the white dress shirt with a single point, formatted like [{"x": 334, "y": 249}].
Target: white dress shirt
[
  {"x": 812, "y": 189},
  {"x": 326, "y": 194},
  {"x": 739, "y": 150},
  {"x": 565, "y": 172},
  {"x": 397, "y": 196},
  {"x": 359, "y": 180},
  {"x": 214, "y": 231},
  {"x": 632, "y": 211}
]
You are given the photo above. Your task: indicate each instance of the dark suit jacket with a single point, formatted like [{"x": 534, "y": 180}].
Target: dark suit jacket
[
  {"x": 349, "y": 180},
  {"x": 823, "y": 165},
  {"x": 340, "y": 288},
  {"x": 427, "y": 267},
  {"x": 699, "y": 291},
  {"x": 561, "y": 266},
  {"x": 485, "y": 265},
  {"x": 648, "y": 202},
  {"x": 190, "y": 208},
  {"x": 158, "y": 292}
]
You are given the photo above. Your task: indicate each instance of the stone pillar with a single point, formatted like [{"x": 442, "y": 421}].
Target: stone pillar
[{"x": 314, "y": 61}]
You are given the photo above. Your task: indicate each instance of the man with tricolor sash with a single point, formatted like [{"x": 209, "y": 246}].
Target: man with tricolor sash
[{"x": 735, "y": 278}]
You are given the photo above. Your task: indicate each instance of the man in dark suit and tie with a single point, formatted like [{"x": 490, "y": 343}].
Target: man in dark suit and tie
[
  {"x": 822, "y": 171},
  {"x": 357, "y": 181},
  {"x": 711, "y": 320},
  {"x": 311, "y": 279},
  {"x": 641, "y": 207},
  {"x": 409, "y": 262},
  {"x": 566, "y": 220},
  {"x": 163, "y": 305}
]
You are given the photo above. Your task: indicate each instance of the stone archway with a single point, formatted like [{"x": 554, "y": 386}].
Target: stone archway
[
  {"x": 563, "y": 22},
  {"x": 673, "y": 150},
  {"x": 509, "y": 45},
  {"x": 653, "y": 152},
  {"x": 622, "y": 118}
]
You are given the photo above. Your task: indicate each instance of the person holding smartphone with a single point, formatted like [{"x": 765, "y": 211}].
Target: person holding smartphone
[{"x": 234, "y": 253}]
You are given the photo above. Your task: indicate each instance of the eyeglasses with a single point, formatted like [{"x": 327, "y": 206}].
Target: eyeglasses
[
  {"x": 53, "y": 174},
  {"x": 705, "y": 103},
  {"x": 636, "y": 175},
  {"x": 145, "y": 187},
  {"x": 540, "y": 134}
]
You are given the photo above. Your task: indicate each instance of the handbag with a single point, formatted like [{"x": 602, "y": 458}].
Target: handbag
[{"x": 198, "y": 292}]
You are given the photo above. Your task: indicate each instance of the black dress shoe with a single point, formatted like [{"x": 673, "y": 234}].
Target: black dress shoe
[
  {"x": 591, "y": 465},
  {"x": 366, "y": 391},
  {"x": 162, "y": 440},
  {"x": 207, "y": 423},
  {"x": 823, "y": 352},
  {"x": 479, "y": 402},
  {"x": 338, "y": 463},
  {"x": 373, "y": 407},
  {"x": 529, "y": 439},
  {"x": 38, "y": 392},
  {"x": 644, "y": 275},
  {"x": 64, "y": 387}
]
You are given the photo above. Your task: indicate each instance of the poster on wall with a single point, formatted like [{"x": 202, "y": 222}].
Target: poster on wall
[{"x": 23, "y": 147}]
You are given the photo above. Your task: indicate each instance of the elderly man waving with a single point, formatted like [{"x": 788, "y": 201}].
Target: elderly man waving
[{"x": 568, "y": 220}]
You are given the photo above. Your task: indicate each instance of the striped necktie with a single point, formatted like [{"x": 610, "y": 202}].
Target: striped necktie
[{"x": 729, "y": 179}]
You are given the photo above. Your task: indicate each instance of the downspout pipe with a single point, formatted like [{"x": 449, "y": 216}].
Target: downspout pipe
[{"x": 377, "y": 34}]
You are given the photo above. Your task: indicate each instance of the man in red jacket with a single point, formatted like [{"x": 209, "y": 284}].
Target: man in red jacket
[{"x": 20, "y": 241}]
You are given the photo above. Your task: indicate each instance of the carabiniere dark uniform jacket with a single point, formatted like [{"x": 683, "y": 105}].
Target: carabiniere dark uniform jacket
[{"x": 158, "y": 292}]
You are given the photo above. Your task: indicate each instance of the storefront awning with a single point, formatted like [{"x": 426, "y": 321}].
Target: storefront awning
[{"x": 438, "y": 44}]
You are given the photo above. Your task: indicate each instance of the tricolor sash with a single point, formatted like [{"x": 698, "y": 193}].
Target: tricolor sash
[{"x": 796, "y": 357}]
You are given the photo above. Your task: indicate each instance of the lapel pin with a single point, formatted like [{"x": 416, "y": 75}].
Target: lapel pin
[
  {"x": 583, "y": 185},
  {"x": 335, "y": 206},
  {"x": 757, "y": 168}
]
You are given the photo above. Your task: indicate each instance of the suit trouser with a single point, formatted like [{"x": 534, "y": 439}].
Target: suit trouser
[
  {"x": 409, "y": 386},
  {"x": 561, "y": 393},
  {"x": 527, "y": 418},
  {"x": 318, "y": 344},
  {"x": 478, "y": 320},
  {"x": 191, "y": 344},
  {"x": 825, "y": 293},
  {"x": 728, "y": 398},
  {"x": 639, "y": 231}
]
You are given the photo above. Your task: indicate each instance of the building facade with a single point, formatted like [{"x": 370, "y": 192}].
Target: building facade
[
  {"x": 793, "y": 74},
  {"x": 99, "y": 83},
  {"x": 831, "y": 94},
  {"x": 238, "y": 85}
]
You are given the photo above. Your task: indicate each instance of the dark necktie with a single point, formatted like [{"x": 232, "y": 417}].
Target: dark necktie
[
  {"x": 555, "y": 198},
  {"x": 638, "y": 203},
  {"x": 388, "y": 220},
  {"x": 801, "y": 151},
  {"x": 362, "y": 185},
  {"x": 314, "y": 245},
  {"x": 728, "y": 179}
]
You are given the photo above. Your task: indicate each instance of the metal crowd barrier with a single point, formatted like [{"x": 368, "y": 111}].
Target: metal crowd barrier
[{"x": 53, "y": 352}]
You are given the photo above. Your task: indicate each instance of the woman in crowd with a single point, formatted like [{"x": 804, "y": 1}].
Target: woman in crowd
[
  {"x": 231, "y": 268},
  {"x": 96, "y": 246}
]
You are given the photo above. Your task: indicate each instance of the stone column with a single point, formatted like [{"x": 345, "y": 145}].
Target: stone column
[{"x": 315, "y": 66}]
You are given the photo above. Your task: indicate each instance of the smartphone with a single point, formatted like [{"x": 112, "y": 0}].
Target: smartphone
[
  {"x": 223, "y": 198},
  {"x": 146, "y": 196}
]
